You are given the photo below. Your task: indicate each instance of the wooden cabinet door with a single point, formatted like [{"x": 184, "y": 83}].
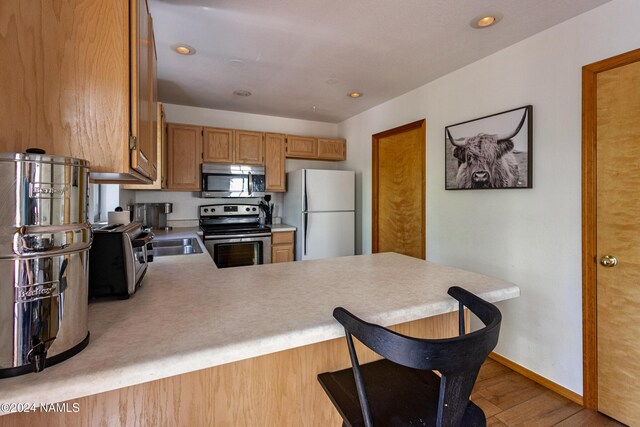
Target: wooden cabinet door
[
  {"x": 217, "y": 145},
  {"x": 282, "y": 246},
  {"x": 281, "y": 253},
  {"x": 274, "y": 162},
  {"x": 161, "y": 156},
  {"x": 142, "y": 156},
  {"x": 184, "y": 155},
  {"x": 302, "y": 147},
  {"x": 155, "y": 105},
  {"x": 65, "y": 77},
  {"x": 332, "y": 149},
  {"x": 162, "y": 147},
  {"x": 248, "y": 147}
]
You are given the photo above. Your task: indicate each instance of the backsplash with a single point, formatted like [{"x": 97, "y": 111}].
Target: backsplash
[{"x": 185, "y": 204}]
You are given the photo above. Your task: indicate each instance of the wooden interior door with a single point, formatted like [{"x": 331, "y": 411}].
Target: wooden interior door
[
  {"x": 399, "y": 190},
  {"x": 618, "y": 235}
]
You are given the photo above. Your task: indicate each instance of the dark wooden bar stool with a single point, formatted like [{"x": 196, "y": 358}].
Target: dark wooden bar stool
[{"x": 402, "y": 389}]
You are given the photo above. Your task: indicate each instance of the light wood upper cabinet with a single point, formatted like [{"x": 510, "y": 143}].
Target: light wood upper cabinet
[
  {"x": 233, "y": 146},
  {"x": 302, "y": 147},
  {"x": 274, "y": 162},
  {"x": 65, "y": 83},
  {"x": 156, "y": 108},
  {"x": 332, "y": 149},
  {"x": 248, "y": 147},
  {"x": 307, "y": 147},
  {"x": 142, "y": 87},
  {"x": 218, "y": 145},
  {"x": 184, "y": 156},
  {"x": 161, "y": 156}
]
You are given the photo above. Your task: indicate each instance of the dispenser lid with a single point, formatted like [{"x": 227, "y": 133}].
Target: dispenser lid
[{"x": 38, "y": 155}]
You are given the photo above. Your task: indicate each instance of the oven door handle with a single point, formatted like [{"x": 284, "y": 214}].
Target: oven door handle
[
  {"x": 236, "y": 236},
  {"x": 142, "y": 240}
]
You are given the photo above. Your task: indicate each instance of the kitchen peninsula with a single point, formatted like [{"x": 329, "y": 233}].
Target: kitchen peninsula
[{"x": 238, "y": 346}]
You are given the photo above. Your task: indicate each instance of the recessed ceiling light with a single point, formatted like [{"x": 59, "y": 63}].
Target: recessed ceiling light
[
  {"x": 183, "y": 49},
  {"x": 241, "y": 92},
  {"x": 355, "y": 94},
  {"x": 486, "y": 20}
]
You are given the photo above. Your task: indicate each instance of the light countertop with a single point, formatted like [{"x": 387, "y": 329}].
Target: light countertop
[
  {"x": 189, "y": 315},
  {"x": 276, "y": 228}
]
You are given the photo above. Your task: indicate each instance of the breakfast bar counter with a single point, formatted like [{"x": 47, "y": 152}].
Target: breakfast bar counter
[{"x": 195, "y": 338}]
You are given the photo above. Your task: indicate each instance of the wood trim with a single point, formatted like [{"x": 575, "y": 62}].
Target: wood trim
[
  {"x": 556, "y": 388},
  {"x": 375, "y": 141},
  {"x": 375, "y": 164},
  {"x": 589, "y": 344},
  {"x": 589, "y": 250}
]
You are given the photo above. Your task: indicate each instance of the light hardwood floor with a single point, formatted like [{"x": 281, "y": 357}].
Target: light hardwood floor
[{"x": 509, "y": 399}]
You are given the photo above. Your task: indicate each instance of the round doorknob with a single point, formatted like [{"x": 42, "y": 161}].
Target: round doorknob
[{"x": 608, "y": 261}]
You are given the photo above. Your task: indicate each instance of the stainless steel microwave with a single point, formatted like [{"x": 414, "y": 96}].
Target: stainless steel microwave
[{"x": 232, "y": 180}]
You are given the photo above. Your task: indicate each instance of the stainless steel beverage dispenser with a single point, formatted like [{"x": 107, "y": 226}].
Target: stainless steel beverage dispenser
[
  {"x": 44, "y": 249},
  {"x": 153, "y": 215}
]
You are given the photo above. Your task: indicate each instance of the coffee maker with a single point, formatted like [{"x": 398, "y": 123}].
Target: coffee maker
[{"x": 153, "y": 215}]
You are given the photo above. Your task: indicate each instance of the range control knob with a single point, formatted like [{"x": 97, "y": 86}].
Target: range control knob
[
  {"x": 213, "y": 209},
  {"x": 248, "y": 209},
  {"x": 254, "y": 209},
  {"x": 206, "y": 210}
]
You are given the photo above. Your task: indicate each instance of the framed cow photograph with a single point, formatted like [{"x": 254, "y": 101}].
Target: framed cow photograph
[{"x": 490, "y": 152}]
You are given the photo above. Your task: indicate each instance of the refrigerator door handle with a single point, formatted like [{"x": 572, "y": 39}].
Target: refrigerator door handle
[
  {"x": 305, "y": 219},
  {"x": 305, "y": 202}
]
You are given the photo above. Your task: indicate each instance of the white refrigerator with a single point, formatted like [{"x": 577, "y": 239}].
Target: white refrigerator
[{"x": 321, "y": 205}]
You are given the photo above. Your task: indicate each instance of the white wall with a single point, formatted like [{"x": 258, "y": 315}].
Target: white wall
[
  {"x": 531, "y": 237},
  {"x": 185, "y": 204}
]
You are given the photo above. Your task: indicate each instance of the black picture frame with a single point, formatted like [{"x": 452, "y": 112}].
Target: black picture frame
[{"x": 489, "y": 152}]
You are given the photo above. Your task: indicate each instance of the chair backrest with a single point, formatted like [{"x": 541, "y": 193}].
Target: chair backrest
[{"x": 458, "y": 359}]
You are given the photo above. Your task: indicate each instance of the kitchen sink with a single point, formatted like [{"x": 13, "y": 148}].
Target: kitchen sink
[{"x": 176, "y": 247}]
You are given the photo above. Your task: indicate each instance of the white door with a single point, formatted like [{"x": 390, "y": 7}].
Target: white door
[
  {"x": 327, "y": 235},
  {"x": 329, "y": 190}
]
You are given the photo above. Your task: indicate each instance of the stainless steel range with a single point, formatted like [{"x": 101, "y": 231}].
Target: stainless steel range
[{"x": 234, "y": 236}]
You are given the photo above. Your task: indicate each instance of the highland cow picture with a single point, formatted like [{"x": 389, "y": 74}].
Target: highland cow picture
[{"x": 490, "y": 152}]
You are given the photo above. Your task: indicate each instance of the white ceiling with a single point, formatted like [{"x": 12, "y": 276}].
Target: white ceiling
[{"x": 290, "y": 48}]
